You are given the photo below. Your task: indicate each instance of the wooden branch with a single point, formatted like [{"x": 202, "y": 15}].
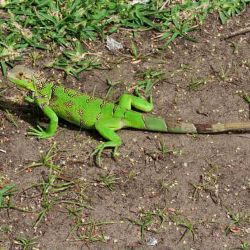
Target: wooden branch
[{"x": 238, "y": 32}]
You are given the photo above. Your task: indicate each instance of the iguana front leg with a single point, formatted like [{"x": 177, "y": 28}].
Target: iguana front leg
[
  {"x": 52, "y": 127},
  {"x": 107, "y": 128}
]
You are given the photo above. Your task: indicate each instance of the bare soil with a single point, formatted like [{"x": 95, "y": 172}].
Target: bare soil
[{"x": 200, "y": 185}]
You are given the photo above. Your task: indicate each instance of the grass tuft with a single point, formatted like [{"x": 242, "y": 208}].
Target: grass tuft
[{"x": 60, "y": 27}]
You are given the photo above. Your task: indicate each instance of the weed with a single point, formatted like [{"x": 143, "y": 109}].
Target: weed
[
  {"x": 75, "y": 68},
  {"x": 55, "y": 185},
  {"x": 6, "y": 191},
  {"x": 2, "y": 90},
  {"x": 236, "y": 220},
  {"x": 46, "y": 160},
  {"x": 246, "y": 97},
  {"x": 88, "y": 230},
  {"x": 5, "y": 229},
  {"x": 26, "y": 243},
  {"x": 179, "y": 29},
  {"x": 108, "y": 181},
  {"x": 147, "y": 219},
  {"x": 46, "y": 202},
  {"x": 235, "y": 47},
  {"x": 185, "y": 223},
  {"x": 132, "y": 175},
  {"x": 244, "y": 246},
  {"x": 50, "y": 187},
  {"x": 247, "y": 63},
  {"x": 11, "y": 118},
  {"x": 167, "y": 185},
  {"x": 208, "y": 183},
  {"x": 195, "y": 84},
  {"x": 111, "y": 85},
  {"x": 34, "y": 56},
  {"x": 134, "y": 51},
  {"x": 223, "y": 74},
  {"x": 10, "y": 50},
  {"x": 52, "y": 191},
  {"x": 164, "y": 150},
  {"x": 185, "y": 67},
  {"x": 150, "y": 78},
  {"x": 73, "y": 62},
  {"x": 189, "y": 227}
]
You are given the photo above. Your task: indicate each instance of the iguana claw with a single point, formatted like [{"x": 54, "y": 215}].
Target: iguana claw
[
  {"x": 39, "y": 132},
  {"x": 98, "y": 152}
]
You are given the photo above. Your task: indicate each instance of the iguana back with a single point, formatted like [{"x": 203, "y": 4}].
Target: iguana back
[{"x": 78, "y": 108}]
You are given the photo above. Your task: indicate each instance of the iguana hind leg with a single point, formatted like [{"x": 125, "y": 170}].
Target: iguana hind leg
[
  {"x": 127, "y": 101},
  {"x": 107, "y": 128}
]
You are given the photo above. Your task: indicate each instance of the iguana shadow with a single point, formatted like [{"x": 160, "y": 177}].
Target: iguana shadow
[{"x": 33, "y": 115}]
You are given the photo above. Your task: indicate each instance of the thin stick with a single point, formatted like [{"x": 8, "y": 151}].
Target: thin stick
[
  {"x": 237, "y": 33},
  {"x": 244, "y": 136},
  {"x": 164, "y": 5}
]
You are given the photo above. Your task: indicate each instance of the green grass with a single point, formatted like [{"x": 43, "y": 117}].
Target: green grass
[
  {"x": 11, "y": 118},
  {"x": 246, "y": 97},
  {"x": 7, "y": 190},
  {"x": 149, "y": 218},
  {"x": 195, "y": 84},
  {"x": 149, "y": 78},
  {"x": 164, "y": 150},
  {"x": 46, "y": 160},
  {"x": 184, "y": 223},
  {"x": 236, "y": 220},
  {"x": 26, "y": 243},
  {"x": 62, "y": 27},
  {"x": 55, "y": 190},
  {"x": 244, "y": 246},
  {"x": 108, "y": 181},
  {"x": 89, "y": 230},
  {"x": 208, "y": 183}
]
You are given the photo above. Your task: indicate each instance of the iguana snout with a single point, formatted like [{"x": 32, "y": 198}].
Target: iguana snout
[{"x": 22, "y": 77}]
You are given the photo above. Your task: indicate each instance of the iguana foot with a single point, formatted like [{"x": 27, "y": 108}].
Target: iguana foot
[
  {"x": 98, "y": 152},
  {"x": 39, "y": 132},
  {"x": 115, "y": 152}
]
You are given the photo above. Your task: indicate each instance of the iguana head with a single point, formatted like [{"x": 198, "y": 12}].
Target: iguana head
[{"x": 22, "y": 77}]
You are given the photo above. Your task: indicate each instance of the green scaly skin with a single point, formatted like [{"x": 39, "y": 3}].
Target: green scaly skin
[{"x": 105, "y": 117}]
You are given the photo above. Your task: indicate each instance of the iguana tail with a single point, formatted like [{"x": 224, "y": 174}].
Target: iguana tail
[{"x": 152, "y": 123}]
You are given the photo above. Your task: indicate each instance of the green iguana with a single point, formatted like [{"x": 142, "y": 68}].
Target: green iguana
[{"x": 105, "y": 117}]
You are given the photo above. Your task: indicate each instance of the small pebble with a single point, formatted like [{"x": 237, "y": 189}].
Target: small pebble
[{"x": 152, "y": 241}]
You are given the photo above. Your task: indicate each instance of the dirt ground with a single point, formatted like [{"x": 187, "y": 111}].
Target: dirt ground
[{"x": 199, "y": 187}]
